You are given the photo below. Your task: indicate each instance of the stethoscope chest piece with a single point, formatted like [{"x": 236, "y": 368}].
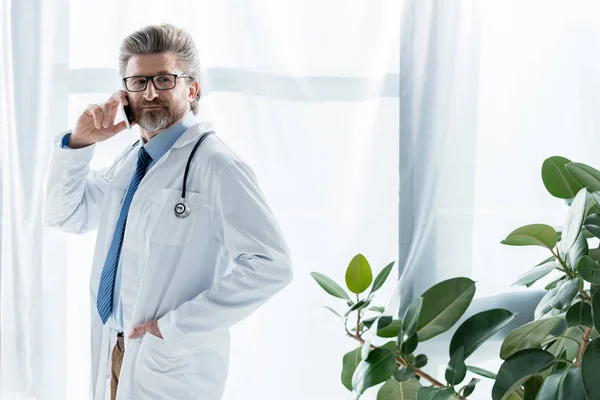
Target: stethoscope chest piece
[{"x": 182, "y": 209}]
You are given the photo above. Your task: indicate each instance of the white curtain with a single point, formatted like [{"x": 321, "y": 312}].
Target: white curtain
[
  {"x": 489, "y": 89},
  {"x": 306, "y": 92}
]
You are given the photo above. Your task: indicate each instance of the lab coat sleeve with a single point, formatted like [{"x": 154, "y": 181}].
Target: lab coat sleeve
[
  {"x": 252, "y": 238},
  {"x": 73, "y": 193}
]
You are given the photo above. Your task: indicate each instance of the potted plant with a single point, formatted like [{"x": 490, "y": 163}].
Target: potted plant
[{"x": 555, "y": 356}]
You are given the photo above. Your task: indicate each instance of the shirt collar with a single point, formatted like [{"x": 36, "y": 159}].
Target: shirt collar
[{"x": 163, "y": 141}]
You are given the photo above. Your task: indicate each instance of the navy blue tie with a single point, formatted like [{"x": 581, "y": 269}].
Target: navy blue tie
[{"x": 107, "y": 280}]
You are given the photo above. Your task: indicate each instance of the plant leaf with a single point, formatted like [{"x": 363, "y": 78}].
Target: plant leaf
[
  {"x": 391, "y": 330},
  {"x": 377, "y": 368},
  {"x": 394, "y": 390},
  {"x": 443, "y": 305},
  {"x": 585, "y": 175},
  {"x": 468, "y": 389},
  {"x": 589, "y": 269},
  {"x": 571, "y": 385},
  {"x": 377, "y": 309},
  {"x": 358, "y": 274},
  {"x": 574, "y": 221},
  {"x": 456, "y": 370},
  {"x": 531, "y": 387},
  {"x": 481, "y": 372},
  {"x": 333, "y": 311},
  {"x": 403, "y": 374},
  {"x": 478, "y": 328},
  {"x": 549, "y": 389},
  {"x": 518, "y": 368},
  {"x": 381, "y": 277},
  {"x": 528, "y": 336},
  {"x": 578, "y": 250},
  {"x": 330, "y": 286},
  {"x": 411, "y": 319},
  {"x": 580, "y": 313},
  {"x": 535, "y": 273},
  {"x": 568, "y": 340},
  {"x": 557, "y": 180},
  {"x": 420, "y": 361},
  {"x": 565, "y": 294},
  {"x": 592, "y": 223},
  {"x": 349, "y": 364},
  {"x": 532, "y": 235},
  {"x": 590, "y": 366}
]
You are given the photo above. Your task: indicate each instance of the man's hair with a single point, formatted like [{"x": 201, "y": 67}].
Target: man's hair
[{"x": 156, "y": 39}]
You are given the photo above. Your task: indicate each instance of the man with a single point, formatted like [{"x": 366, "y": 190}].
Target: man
[{"x": 165, "y": 285}]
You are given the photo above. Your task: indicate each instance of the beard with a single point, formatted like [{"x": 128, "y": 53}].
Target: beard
[{"x": 158, "y": 119}]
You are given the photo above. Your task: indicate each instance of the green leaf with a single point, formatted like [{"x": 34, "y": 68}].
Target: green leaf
[
  {"x": 478, "y": 328},
  {"x": 377, "y": 368},
  {"x": 532, "y": 235},
  {"x": 382, "y": 321},
  {"x": 549, "y": 389},
  {"x": 596, "y": 311},
  {"x": 349, "y": 364},
  {"x": 528, "y": 336},
  {"x": 592, "y": 223},
  {"x": 333, "y": 311},
  {"x": 364, "y": 303},
  {"x": 468, "y": 389},
  {"x": 443, "y": 305},
  {"x": 574, "y": 221},
  {"x": 377, "y": 309},
  {"x": 456, "y": 370},
  {"x": 420, "y": 361},
  {"x": 411, "y": 319},
  {"x": 589, "y": 370},
  {"x": 568, "y": 340},
  {"x": 535, "y": 273},
  {"x": 565, "y": 294},
  {"x": 403, "y": 374},
  {"x": 426, "y": 393},
  {"x": 580, "y": 313},
  {"x": 393, "y": 390},
  {"x": 560, "y": 365},
  {"x": 579, "y": 250},
  {"x": 381, "y": 277},
  {"x": 330, "y": 286},
  {"x": 553, "y": 284},
  {"x": 410, "y": 345},
  {"x": 571, "y": 385},
  {"x": 557, "y": 180},
  {"x": 531, "y": 387},
  {"x": 359, "y": 275},
  {"x": 391, "y": 330},
  {"x": 518, "y": 368},
  {"x": 585, "y": 175},
  {"x": 589, "y": 269},
  {"x": 481, "y": 372}
]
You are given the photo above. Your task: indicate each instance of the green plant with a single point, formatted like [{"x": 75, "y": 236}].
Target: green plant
[{"x": 556, "y": 356}]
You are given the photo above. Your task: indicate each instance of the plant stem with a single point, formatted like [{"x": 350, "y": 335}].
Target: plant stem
[
  {"x": 564, "y": 265},
  {"x": 583, "y": 345},
  {"x": 418, "y": 371}
]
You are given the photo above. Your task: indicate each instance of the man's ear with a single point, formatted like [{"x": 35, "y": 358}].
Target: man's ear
[{"x": 194, "y": 90}]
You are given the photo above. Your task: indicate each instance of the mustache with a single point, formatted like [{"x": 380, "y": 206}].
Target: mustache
[{"x": 155, "y": 104}]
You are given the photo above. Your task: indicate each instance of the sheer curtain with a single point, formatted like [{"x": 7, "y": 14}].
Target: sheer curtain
[
  {"x": 306, "y": 92},
  {"x": 489, "y": 90}
]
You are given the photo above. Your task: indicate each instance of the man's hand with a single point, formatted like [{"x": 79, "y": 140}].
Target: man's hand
[
  {"x": 150, "y": 327},
  {"x": 96, "y": 123}
]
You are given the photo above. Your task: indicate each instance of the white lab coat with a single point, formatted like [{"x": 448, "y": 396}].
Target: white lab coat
[{"x": 197, "y": 275}]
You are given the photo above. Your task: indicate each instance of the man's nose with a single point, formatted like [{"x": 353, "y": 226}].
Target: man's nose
[{"x": 150, "y": 93}]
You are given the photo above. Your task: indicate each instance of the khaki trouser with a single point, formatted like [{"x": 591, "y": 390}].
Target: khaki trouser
[{"x": 117, "y": 361}]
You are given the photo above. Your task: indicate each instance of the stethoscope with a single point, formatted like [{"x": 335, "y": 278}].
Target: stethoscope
[{"x": 182, "y": 209}]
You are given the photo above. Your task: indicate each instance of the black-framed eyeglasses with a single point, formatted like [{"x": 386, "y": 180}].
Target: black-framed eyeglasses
[{"x": 139, "y": 83}]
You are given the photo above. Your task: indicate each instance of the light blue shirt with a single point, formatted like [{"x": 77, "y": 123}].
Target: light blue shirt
[{"x": 156, "y": 148}]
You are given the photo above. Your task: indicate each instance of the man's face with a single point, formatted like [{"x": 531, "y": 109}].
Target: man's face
[{"x": 168, "y": 106}]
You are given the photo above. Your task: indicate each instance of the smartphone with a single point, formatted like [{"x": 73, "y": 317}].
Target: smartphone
[{"x": 127, "y": 116}]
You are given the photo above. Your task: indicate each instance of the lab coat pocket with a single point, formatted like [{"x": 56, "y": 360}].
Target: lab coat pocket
[
  {"x": 168, "y": 228},
  {"x": 165, "y": 372}
]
